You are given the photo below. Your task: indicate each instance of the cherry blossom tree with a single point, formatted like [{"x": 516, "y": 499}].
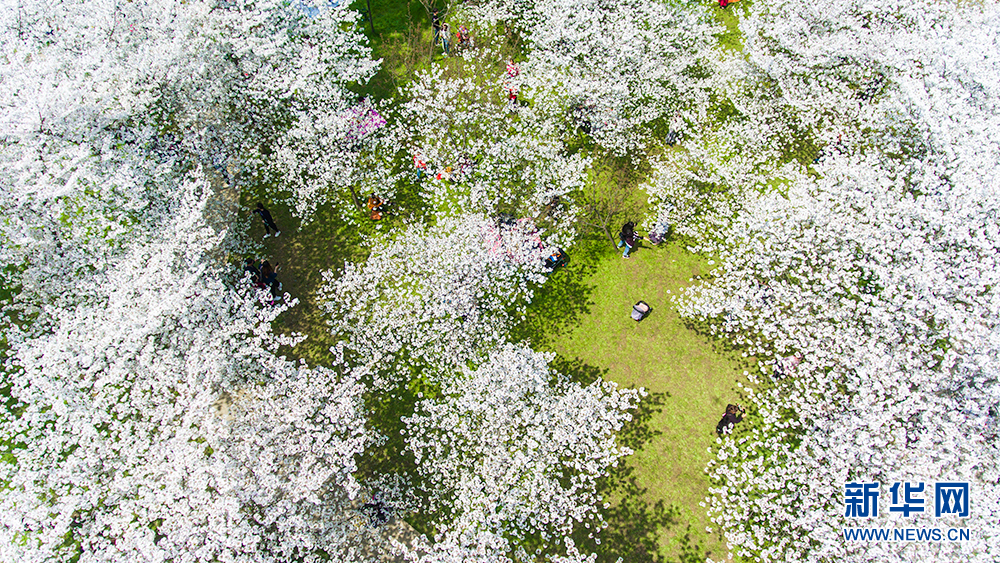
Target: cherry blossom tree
[
  {"x": 119, "y": 449},
  {"x": 841, "y": 170},
  {"x": 338, "y": 155},
  {"x": 216, "y": 84},
  {"x": 439, "y": 295},
  {"x": 511, "y": 450},
  {"x": 486, "y": 153},
  {"x": 620, "y": 68}
]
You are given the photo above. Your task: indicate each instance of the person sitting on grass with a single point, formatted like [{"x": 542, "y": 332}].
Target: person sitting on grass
[
  {"x": 734, "y": 414},
  {"x": 464, "y": 37},
  {"x": 375, "y": 205},
  {"x": 446, "y": 174}
]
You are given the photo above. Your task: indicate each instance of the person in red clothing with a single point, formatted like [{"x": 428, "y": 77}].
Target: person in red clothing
[
  {"x": 420, "y": 165},
  {"x": 511, "y": 85},
  {"x": 464, "y": 37},
  {"x": 724, "y": 3},
  {"x": 513, "y": 69}
]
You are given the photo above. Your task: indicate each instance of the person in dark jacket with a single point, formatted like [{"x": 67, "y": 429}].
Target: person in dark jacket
[
  {"x": 250, "y": 266},
  {"x": 265, "y": 215},
  {"x": 627, "y": 238},
  {"x": 377, "y": 512},
  {"x": 268, "y": 274},
  {"x": 436, "y": 26},
  {"x": 734, "y": 414}
]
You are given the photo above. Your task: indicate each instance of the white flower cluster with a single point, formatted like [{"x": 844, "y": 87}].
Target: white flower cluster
[
  {"x": 512, "y": 450},
  {"x": 339, "y": 156},
  {"x": 209, "y": 83},
  {"x": 151, "y": 423},
  {"x": 148, "y": 418},
  {"x": 619, "y": 68},
  {"x": 439, "y": 295},
  {"x": 484, "y": 153}
]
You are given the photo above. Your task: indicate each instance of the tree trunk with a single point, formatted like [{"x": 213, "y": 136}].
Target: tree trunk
[
  {"x": 607, "y": 232},
  {"x": 357, "y": 202}
]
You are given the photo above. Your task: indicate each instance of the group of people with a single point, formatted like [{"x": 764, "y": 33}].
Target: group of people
[
  {"x": 265, "y": 276},
  {"x": 628, "y": 238},
  {"x": 442, "y": 34},
  {"x": 466, "y": 164},
  {"x": 262, "y": 274}
]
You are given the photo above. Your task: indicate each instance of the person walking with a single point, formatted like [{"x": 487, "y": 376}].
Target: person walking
[
  {"x": 734, "y": 414},
  {"x": 627, "y": 238},
  {"x": 265, "y": 216}
]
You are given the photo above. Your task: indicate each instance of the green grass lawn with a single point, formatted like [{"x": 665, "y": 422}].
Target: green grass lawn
[{"x": 582, "y": 314}]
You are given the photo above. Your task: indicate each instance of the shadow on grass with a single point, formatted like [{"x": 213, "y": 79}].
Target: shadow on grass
[
  {"x": 558, "y": 305},
  {"x": 635, "y": 525},
  {"x": 720, "y": 344},
  {"x": 578, "y": 371}
]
